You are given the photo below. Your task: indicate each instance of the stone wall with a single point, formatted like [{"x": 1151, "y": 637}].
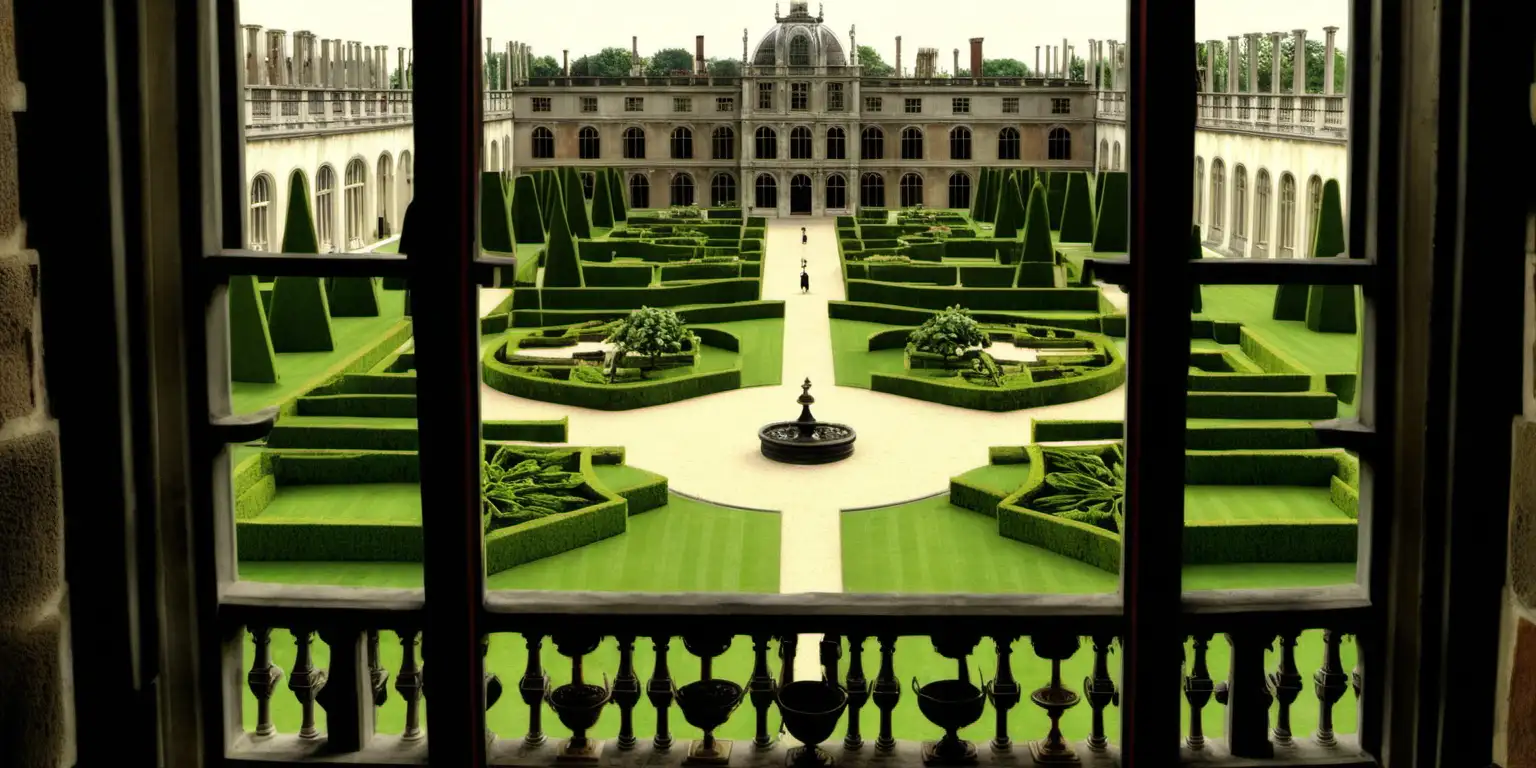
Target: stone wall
[{"x": 33, "y": 621}]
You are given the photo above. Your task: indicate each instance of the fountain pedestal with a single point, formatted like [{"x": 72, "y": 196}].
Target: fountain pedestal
[{"x": 806, "y": 440}]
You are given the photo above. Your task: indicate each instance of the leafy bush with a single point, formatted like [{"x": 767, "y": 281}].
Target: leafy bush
[
  {"x": 514, "y": 491},
  {"x": 649, "y": 332},
  {"x": 1084, "y": 487},
  {"x": 949, "y": 333}
]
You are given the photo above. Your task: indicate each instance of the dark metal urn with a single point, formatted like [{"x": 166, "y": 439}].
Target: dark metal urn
[
  {"x": 706, "y": 705},
  {"x": 806, "y": 440},
  {"x": 579, "y": 705},
  {"x": 951, "y": 705},
  {"x": 811, "y": 710}
]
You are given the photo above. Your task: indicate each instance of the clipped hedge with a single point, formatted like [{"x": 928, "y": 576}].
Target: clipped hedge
[
  {"x": 704, "y": 313},
  {"x": 890, "y": 314},
  {"x": 329, "y": 541},
  {"x": 723, "y": 213},
  {"x": 300, "y": 320},
  {"x": 322, "y": 467},
  {"x": 974, "y": 497},
  {"x": 1111, "y": 231},
  {"x": 527, "y": 223},
  {"x": 251, "y": 357},
  {"x": 359, "y": 406},
  {"x": 1069, "y": 431},
  {"x": 605, "y": 397},
  {"x": 912, "y": 273},
  {"x": 1270, "y": 541},
  {"x": 1002, "y": 251},
  {"x": 548, "y": 536},
  {"x": 705, "y": 271},
  {"x": 617, "y": 275},
  {"x": 987, "y": 277},
  {"x": 958, "y": 392},
  {"x": 1310, "y": 406},
  {"x": 714, "y": 292},
  {"x": 1311, "y": 468},
  {"x": 975, "y": 299},
  {"x": 1085, "y": 543},
  {"x": 1248, "y": 382}
]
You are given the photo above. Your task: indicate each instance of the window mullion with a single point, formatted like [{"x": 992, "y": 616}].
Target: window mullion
[
  {"x": 448, "y": 129},
  {"x": 1160, "y": 90}
]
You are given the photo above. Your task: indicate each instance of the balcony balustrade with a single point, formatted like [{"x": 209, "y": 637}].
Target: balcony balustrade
[
  {"x": 1310, "y": 116},
  {"x": 297, "y": 108}
]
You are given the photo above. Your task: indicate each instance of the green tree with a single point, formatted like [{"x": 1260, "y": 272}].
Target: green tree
[
  {"x": 544, "y": 66},
  {"x": 1316, "y": 52},
  {"x": 492, "y": 71},
  {"x": 648, "y": 332},
  {"x": 668, "y": 60},
  {"x": 950, "y": 332},
  {"x": 1078, "y": 69},
  {"x": 724, "y": 68},
  {"x": 609, "y": 62},
  {"x": 999, "y": 68},
  {"x": 873, "y": 65},
  {"x": 394, "y": 78}
]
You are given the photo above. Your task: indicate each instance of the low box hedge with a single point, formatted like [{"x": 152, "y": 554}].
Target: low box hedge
[
  {"x": 1070, "y": 431},
  {"x": 328, "y": 541},
  {"x": 723, "y": 213},
  {"x": 1037, "y": 274},
  {"x": 644, "y": 250},
  {"x": 846, "y": 221},
  {"x": 751, "y": 245},
  {"x": 548, "y": 536},
  {"x": 606, "y": 397},
  {"x": 1311, "y": 468},
  {"x": 717, "y": 271},
  {"x": 757, "y": 221},
  {"x": 330, "y": 467},
  {"x": 1248, "y": 382},
  {"x": 1001, "y": 251},
  {"x": 895, "y": 338},
  {"x": 1344, "y": 385},
  {"x": 697, "y": 313},
  {"x": 617, "y": 275},
  {"x": 1271, "y": 541},
  {"x": 714, "y": 337},
  {"x": 1309, "y": 406},
  {"x": 1085, "y": 543},
  {"x": 958, "y": 392},
  {"x": 1007, "y": 454},
  {"x": 343, "y": 437},
  {"x": 973, "y": 497},
  {"x": 1267, "y": 355},
  {"x": 890, "y": 314},
  {"x": 360, "y": 406},
  {"x": 546, "y": 431},
  {"x": 714, "y": 292},
  {"x": 253, "y": 500},
  {"x": 913, "y": 273},
  {"x": 372, "y": 384},
  {"x": 987, "y": 277},
  {"x": 974, "y": 299}
]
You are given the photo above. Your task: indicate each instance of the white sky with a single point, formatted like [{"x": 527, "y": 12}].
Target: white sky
[{"x": 586, "y": 26}]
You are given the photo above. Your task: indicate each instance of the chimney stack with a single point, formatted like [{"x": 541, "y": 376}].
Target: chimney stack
[
  {"x": 976, "y": 60},
  {"x": 698, "y": 55},
  {"x": 565, "y": 67},
  {"x": 956, "y": 71},
  {"x": 898, "y": 55}
]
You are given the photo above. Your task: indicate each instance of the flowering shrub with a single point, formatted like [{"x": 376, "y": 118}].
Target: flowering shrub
[{"x": 948, "y": 333}]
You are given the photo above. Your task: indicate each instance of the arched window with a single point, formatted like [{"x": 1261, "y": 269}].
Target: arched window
[
  {"x": 1104, "y": 154},
  {"x": 682, "y": 189},
  {"x": 506, "y": 155},
  {"x": 639, "y": 191},
  {"x": 1116, "y": 165},
  {"x": 722, "y": 191},
  {"x": 1287, "y": 234},
  {"x": 724, "y": 144},
  {"x": 261, "y": 213},
  {"x": 682, "y": 144},
  {"x": 767, "y": 192},
  {"x": 872, "y": 144},
  {"x": 837, "y": 192},
  {"x": 1314, "y": 213},
  {"x": 325, "y": 206},
  {"x": 543, "y": 144},
  {"x": 767, "y": 144},
  {"x": 800, "y": 143},
  {"x": 837, "y": 144},
  {"x": 960, "y": 144},
  {"x": 1058, "y": 145},
  {"x": 1261, "y": 211},
  {"x": 495, "y": 164},
  {"x": 634, "y": 144},
  {"x": 1199, "y": 190},
  {"x": 407, "y": 179},
  {"x": 872, "y": 191},
  {"x": 352, "y": 200},
  {"x": 589, "y": 144},
  {"x": 1008, "y": 144},
  {"x": 385, "y": 187},
  {"x": 911, "y": 144},
  {"x": 1218, "y": 195},
  {"x": 1240, "y": 202},
  {"x": 800, "y": 51},
  {"x": 588, "y": 185},
  {"x": 911, "y": 190},
  {"x": 959, "y": 191}
]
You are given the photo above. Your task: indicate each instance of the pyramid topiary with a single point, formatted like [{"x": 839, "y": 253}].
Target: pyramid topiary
[
  {"x": 1111, "y": 232},
  {"x": 576, "y": 205},
  {"x": 300, "y": 320},
  {"x": 1098, "y": 192},
  {"x": 1037, "y": 260},
  {"x": 549, "y": 196},
  {"x": 251, "y": 357},
  {"x": 562, "y": 265},
  {"x": 1010, "y": 211},
  {"x": 496, "y": 232},
  {"x": 527, "y": 222},
  {"x": 602, "y": 202},
  {"x": 1330, "y": 308},
  {"x": 1077, "y": 210},
  {"x": 409, "y": 236},
  {"x": 616, "y": 189},
  {"x": 1056, "y": 195},
  {"x": 1000, "y": 179},
  {"x": 979, "y": 192},
  {"x": 1196, "y": 252}
]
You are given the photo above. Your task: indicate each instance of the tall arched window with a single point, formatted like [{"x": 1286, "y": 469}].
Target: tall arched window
[
  {"x": 495, "y": 164},
  {"x": 724, "y": 144},
  {"x": 352, "y": 200},
  {"x": 506, "y": 155},
  {"x": 1287, "y": 234},
  {"x": 1240, "y": 202},
  {"x": 872, "y": 191},
  {"x": 634, "y": 144},
  {"x": 722, "y": 191},
  {"x": 589, "y": 144},
  {"x": 407, "y": 180},
  {"x": 1104, "y": 154},
  {"x": 837, "y": 192},
  {"x": 639, "y": 191},
  {"x": 800, "y": 143},
  {"x": 1058, "y": 145},
  {"x": 261, "y": 213},
  {"x": 682, "y": 144},
  {"x": 1008, "y": 144},
  {"x": 767, "y": 192},
  {"x": 800, "y": 51},
  {"x": 767, "y": 144},
  {"x": 385, "y": 186},
  {"x": 1116, "y": 165},
  {"x": 959, "y": 190},
  {"x": 960, "y": 143},
  {"x": 682, "y": 189},
  {"x": 543, "y": 143},
  {"x": 1218, "y": 195},
  {"x": 872, "y": 144},
  {"x": 325, "y": 206},
  {"x": 1199, "y": 190},
  {"x": 911, "y": 144},
  {"x": 1314, "y": 214},
  {"x": 837, "y": 144},
  {"x": 1261, "y": 211},
  {"x": 911, "y": 190}
]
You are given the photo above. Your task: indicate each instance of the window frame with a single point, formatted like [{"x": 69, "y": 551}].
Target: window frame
[
  {"x": 682, "y": 104},
  {"x": 1009, "y": 144},
  {"x": 639, "y": 187},
  {"x": 836, "y": 98},
  {"x": 770, "y": 139},
  {"x": 874, "y": 104},
  {"x": 912, "y": 105},
  {"x": 837, "y": 143},
  {"x": 799, "y": 96},
  {"x": 725, "y": 103},
  {"x": 261, "y": 211},
  {"x": 1061, "y": 105},
  {"x": 960, "y": 185},
  {"x": 682, "y": 187},
  {"x": 802, "y": 143},
  {"x": 589, "y": 143},
  {"x": 872, "y": 190},
  {"x": 589, "y": 105},
  {"x": 541, "y": 104},
  {"x": 634, "y": 103},
  {"x": 913, "y": 139},
  {"x": 960, "y": 143},
  {"x": 842, "y": 190},
  {"x": 765, "y": 96},
  {"x": 910, "y": 181},
  {"x": 681, "y": 143},
  {"x": 960, "y": 105},
  {"x": 634, "y": 142},
  {"x": 722, "y": 182},
  {"x": 1058, "y": 143},
  {"x": 722, "y": 138},
  {"x": 872, "y": 137},
  {"x": 1011, "y": 105},
  {"x": 541, "y": 143}
]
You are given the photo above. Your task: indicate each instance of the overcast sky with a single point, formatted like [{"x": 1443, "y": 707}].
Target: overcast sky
[{"x": 1012, "y": 28}]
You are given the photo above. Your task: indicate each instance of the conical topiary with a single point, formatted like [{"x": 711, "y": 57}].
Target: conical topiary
[
  {"x": 1196, "y": 252},
  {"x": 576, "y": 206},
  {"x": 1330, "y": 308},
  {"x": 300, "y": 320},
  {"x": 549, "y": 196},
  {"x": 616, "y": 189},
  {"x": 409, "y": 236},
  {"x": 602, "y": 202},
  {"x": 977, "y": 192},
  {"x": 1010, "y": 212},
  {"x": 562, "y": 263},
  {"x": 1056, "y": 195},
  {"x": 1077, "y": 210},
  {"x": 1098, "y": 191},
  {"x": 1037, "y": 258},
  {"x": 1111, "y": 232},
  {"x": 496, "y": 233},
  {"x": 251, "y": 358},
  {"x": 1000, "y": 179},
  {"x": 527, "y": 223}
]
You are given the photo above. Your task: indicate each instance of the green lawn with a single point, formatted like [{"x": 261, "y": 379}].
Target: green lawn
[
  {"x": 852, "y": 362},
  {"x": 1002, "y": 478},
  {"x": 619, "y": 477},
  {"x": 1252, "y": 305},
  {"x": 1259, "y": 502},
  {"x": 373, "y": 502},
  {"x": 761, "y": 361}
]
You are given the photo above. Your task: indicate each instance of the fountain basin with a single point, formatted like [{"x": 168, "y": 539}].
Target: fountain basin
[{"x": 788, "y": 442}]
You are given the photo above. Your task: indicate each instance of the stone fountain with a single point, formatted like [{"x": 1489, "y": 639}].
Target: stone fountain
[{"x": 806, "y": 440}]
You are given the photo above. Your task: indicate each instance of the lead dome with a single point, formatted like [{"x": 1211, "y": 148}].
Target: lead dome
[{"x": 800, "y": 40}]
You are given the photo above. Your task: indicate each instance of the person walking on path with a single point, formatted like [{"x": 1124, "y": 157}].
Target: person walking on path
[
  {"x": 805, "y": 282},
  {"x": 804, "y": 238},
  {"x": 802, "y": 262}
]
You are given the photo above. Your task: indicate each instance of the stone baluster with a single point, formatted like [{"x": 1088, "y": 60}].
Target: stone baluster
[
  {"x": 409, "y": 685},
  {"x": 658, "y": 691},
  {"x": 1285, "y": 686},
  {"x": 1246, "y": 694},
  {"x": 1055, "y": 698},
  {"x": 492, "y": 686},
  {"x": 887, "y": 693},
  {"x": 761, "y": 690},
  {"x": 262, "y": 680},
  {"x": 1329, "y": 683},
  {"x": 1100, "y": 688},
  {"x": 376, "y": 673},
  {"x": 788, "y": 647},
  {"x": 626, "y": 692},
  {"x": 532, "y": 687},
  {"x": 1004, "y": 691},
  {"x": 348, "y": 694},
  {"x": 858, "y": 692},
  {"x": 831, "y": 652},
  {"x": 1357, "y": 682},
  {"x": 306, "y": 682},
  {"x": 1198, "y": 688}
]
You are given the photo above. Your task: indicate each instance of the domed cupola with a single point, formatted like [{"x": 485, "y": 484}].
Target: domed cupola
[{"x": 799, "y": 40}]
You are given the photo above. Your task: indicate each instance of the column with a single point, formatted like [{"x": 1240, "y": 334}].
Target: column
[
  {"x": 956, "y": 71},
  {"x": 1092, "y": 66},
  {"x": 400, "y": 66},
  {"x": 1299, "y": 65},
  {"x": 1274, "y": 65},
  {"x": 1038, "y": 71},
  {"x": 1328, "y": 55},
  {"x": 1253, "y": 62},
  {"x": 1232, "y": 54},
  {"x": 324, "y": 77},
  {"x": 489, "y": 54},
  {"x": 1065, "y": 61},
  {"x": 1114, "y": 59},
  {"x": 1210, "y": 65},
  {"x": 254, "y": 56}
]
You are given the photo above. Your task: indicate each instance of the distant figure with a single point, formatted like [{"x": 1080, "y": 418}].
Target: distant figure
[
  {"x": 804, "y": 238},
  {"x": 805, "y": 282},
  {"x": 802, "y": 262}
]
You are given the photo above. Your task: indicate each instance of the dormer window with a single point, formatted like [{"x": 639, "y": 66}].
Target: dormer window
[{"x": 800, "y": 51}]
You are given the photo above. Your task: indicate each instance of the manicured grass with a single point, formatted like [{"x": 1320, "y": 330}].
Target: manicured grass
[
  {"x": 390, "y": 247},
  {"x": 1003, "y": 478},
  {"x": 298, "y": 372},
  {"x": 379, "y": 422},
  {"x": 852, "y": 362},
  {"x": 373, "y": 502},
  {"x": 619, "y": 477},
  {"x": 1252, "y": 305},
  {"x": 762, "y": 344},
  {"x": 1259, "y": 502}
]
